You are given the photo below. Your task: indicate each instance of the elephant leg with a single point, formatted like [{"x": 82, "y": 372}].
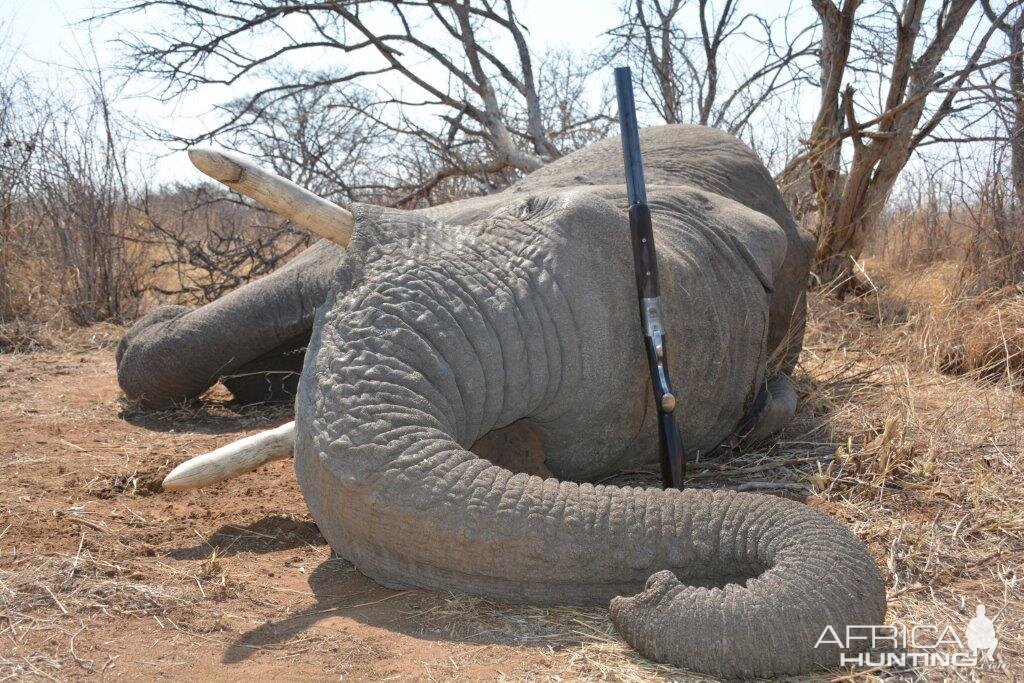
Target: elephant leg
[
  {"x": 772, "y": 409},
  {"x": 173, "y": 354},
  {"x": 272, "y": 377}
]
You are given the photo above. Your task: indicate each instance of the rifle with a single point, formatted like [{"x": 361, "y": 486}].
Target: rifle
[{"x": 645, "y": 266}]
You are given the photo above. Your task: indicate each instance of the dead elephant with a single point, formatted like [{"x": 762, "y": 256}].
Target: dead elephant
[{"x": 434, "y": 328}]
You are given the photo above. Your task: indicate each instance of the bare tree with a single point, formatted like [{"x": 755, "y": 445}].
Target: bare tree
[
  {"x": 849, "y": 204},
  {"x": 1009, "y": 99},
  {"x": 65, "y": 218},
  {"x": 572, "y": 121},
  {"x": 442, "y": 53},
  {"x": 19, "y": 137},
  {"x": 202, "y": 243},
  {"x": 326, "y": 139},
  {"x": 689, "y": 77}
]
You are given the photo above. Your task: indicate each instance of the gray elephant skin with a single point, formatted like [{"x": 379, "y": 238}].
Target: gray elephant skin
[{"x": 517, "y": 312}]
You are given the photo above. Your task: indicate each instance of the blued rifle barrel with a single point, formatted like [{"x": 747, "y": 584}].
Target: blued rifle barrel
[
  {"x": 645, "y": 265},
  {"x": 636, "y": 186}
]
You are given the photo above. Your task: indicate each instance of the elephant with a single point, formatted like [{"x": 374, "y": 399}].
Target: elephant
[
  {"x": 252, "y": 338},
  {"x": 515, "y": 313}
]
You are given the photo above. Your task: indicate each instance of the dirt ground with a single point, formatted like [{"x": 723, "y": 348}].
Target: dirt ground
[{"x": 103, "y": 576}]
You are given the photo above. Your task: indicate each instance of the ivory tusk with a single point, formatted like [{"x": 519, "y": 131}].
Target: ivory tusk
[
  {"x": 278, "y": 194},
  {"x": 238, "y": 457}
]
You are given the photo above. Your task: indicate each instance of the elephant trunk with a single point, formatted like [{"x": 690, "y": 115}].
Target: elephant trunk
[{"x": 403, "y": 375}]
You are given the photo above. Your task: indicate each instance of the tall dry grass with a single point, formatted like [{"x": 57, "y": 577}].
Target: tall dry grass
[{"x": 949, "y": 261}]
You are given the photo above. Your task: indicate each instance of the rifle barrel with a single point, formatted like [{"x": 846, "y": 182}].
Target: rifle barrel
[{"x": 636, "y": 188}]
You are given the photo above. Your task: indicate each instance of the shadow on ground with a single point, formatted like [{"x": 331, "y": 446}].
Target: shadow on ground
[
  {"x": 341, "y": 591},
  {"x": 268, "y": 535},
  {"x": 220, "y": 415}
]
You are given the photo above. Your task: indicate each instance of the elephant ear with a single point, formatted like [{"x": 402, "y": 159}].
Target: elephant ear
[{"x": 756, "y": 238}]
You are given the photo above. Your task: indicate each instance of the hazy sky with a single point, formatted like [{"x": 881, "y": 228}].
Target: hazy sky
[
  {"x": 44, "y": 37},
  {"x": 47, "y": 35}
]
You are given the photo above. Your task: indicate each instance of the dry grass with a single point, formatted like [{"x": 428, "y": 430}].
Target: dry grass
[
  {"x": 56, "y": 595},
  {"x": 993, "y": 346},
  {"x": 938, "y": 324},
  {"x": 926, "y": 464}
]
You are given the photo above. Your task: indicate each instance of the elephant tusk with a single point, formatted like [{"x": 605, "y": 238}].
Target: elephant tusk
[
  {"x": 238, "y": 457},
  {"x": 280, "y": 195}
]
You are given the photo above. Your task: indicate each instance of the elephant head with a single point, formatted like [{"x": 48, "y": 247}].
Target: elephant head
[{"x": 516, "y": 312}]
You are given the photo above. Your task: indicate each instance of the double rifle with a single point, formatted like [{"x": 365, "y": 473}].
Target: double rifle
[{"x": 645, "y": 266}]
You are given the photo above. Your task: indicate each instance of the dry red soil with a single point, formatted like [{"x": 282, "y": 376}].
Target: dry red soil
[{"x": 102, "y": 575}]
